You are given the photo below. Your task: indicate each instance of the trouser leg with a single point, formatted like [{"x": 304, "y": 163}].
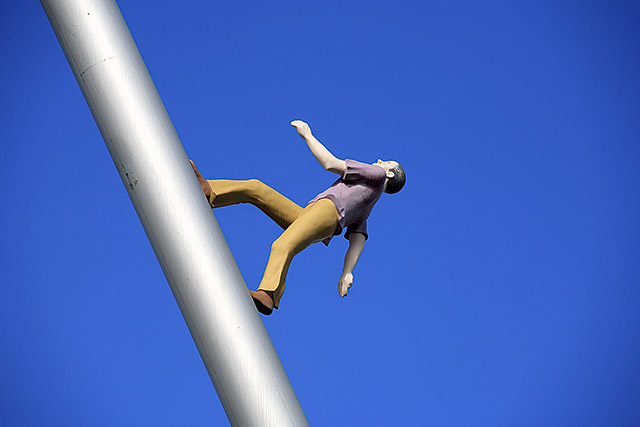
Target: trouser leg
[
  {"x": 279, "y": 208},
  {"x": 316, "y": 222}
]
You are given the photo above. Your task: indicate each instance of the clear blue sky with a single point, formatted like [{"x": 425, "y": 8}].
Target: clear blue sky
[{"x": 499, "y": 288}]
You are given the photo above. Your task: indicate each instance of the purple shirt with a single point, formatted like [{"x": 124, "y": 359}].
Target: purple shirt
[{"x": 354, "y": 195}]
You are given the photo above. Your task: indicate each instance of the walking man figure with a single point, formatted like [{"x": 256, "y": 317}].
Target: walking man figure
[{"x": 345, "y": 205}]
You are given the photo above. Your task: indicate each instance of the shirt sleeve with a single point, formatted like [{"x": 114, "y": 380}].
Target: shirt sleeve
[
  {"x": 357, "y": 228},
  {"x": 358, "y": 172}
]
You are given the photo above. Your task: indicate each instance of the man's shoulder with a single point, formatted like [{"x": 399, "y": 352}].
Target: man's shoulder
[{"x": 360, "y": 170}]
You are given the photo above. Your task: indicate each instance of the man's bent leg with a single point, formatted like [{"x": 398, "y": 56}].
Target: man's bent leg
[
  {"x": 317, "y": 221},
  {"x": 231, "y": 192}
]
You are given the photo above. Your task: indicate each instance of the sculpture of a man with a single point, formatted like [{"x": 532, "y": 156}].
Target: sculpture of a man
[{"x": 345, "y": 205}]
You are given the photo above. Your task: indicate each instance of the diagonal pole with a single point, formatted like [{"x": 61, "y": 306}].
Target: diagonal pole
[{"x": 195, "y": 258}]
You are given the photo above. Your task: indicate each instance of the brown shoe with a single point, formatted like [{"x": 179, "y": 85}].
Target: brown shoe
[
  {"x": 206, "y": 188},
  {"x": 263, "y": 301}
]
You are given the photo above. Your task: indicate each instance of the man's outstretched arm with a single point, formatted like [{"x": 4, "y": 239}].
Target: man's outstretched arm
[
  {"x": 324, "y": 156},
  {"x": 356, "y": 246}
]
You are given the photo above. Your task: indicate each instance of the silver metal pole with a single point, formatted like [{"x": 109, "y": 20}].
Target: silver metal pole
[{"x": 205, "y": 280}]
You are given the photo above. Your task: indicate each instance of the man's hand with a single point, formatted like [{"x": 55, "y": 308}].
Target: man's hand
[
  {"x": 345, "y": 283},
  {"x": 356, "y": 246},
  {"x": 319, "y": 151},
  {"x": 303, "y": 129}
]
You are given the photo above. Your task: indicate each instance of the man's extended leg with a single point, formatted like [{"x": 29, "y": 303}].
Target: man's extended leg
[
  {"x": 317, "y": 221},
  {"x": 279, "y": 208},
  {"x": 225, "y": 192}
]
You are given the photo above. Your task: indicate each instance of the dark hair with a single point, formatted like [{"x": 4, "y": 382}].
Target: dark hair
[{"x": 396, "y": 183}]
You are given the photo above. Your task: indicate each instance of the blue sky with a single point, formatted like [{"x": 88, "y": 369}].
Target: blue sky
[{"x": 499, "y": 288}]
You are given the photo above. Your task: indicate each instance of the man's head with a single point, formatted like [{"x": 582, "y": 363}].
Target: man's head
[{"x": 395, "y": 175}]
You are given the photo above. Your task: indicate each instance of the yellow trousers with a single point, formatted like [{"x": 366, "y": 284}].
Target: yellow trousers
[{"x": 302, "y": 226}]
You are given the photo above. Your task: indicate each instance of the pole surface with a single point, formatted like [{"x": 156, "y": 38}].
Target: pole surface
[{"x": 195, "y": 258}]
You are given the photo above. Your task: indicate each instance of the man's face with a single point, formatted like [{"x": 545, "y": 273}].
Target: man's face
[{"x": 387, "y": 165}]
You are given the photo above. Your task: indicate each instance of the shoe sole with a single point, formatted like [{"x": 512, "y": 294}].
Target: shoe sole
[{"x": 262, "y": 308}]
